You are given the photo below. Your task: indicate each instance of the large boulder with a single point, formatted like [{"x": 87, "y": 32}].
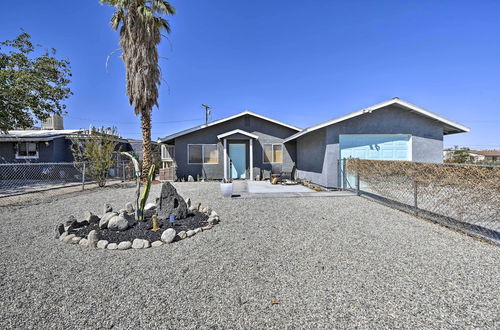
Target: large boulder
[
  {"x": 171, "y": 203},
  {"x": 119, "y": 222},
  {"x": 103, "y": 223}
]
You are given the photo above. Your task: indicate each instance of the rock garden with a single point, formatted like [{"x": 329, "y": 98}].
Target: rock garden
[{"x": 170, "y": 219}]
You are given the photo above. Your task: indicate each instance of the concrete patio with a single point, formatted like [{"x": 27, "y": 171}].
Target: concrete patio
[{"x": 264, "y": 189}]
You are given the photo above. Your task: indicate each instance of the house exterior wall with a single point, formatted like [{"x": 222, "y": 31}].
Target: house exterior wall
[
  {"x": 7, "y": 153},
  {"x": 322, "y": 168},
  {"x": 57, "y": 150},
  {"x": 53, "y": 151},
  {"x": 267, "y": 132}
]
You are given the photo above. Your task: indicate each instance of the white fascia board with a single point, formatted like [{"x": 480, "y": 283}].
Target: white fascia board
[
  {"x": 377, "y": 107},
  {"x": 193, "y": 129},
  {"x": 27, "y": 138},
  {"x": 237, "y": 131}
]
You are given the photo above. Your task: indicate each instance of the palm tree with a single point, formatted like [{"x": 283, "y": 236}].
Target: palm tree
[{"x": 142, "y": 22}]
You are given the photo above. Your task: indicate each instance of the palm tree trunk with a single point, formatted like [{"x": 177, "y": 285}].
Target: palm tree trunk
[{"x": 147, "y": 157}]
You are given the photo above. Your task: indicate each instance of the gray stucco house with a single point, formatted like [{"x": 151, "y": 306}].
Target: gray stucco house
[
  {"x": 242, "y": 146},
  {"x": 247, "y": 144},
  {"x": 42, "y": 145},
  {"x": 36, "y": 146}
]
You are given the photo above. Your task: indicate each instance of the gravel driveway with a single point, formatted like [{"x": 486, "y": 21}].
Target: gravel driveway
[{"x": 330, "y": 262}]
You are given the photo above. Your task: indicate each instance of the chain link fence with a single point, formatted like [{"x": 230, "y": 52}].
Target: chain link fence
[
  {"x": 18, "y": 179},
  {"x": 464, "y": 197}
]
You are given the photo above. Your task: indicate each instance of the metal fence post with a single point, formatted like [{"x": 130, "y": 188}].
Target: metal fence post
[
  {"x": 415, "y": 197},
  {"x": 344, "y": 174},
  {"x": 83, "y": 177},
  {"x": 123, "y": 171},
  {"x": 358, "y": 191}
]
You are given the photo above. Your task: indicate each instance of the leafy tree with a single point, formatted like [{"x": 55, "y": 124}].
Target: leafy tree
[
  {"x": 97, "y": 150},
  {"x": 31, "y": 87},
  {"x": 142, "y": 22}
]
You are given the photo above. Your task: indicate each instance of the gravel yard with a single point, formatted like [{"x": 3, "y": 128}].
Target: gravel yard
[{"x": 330, "y": 262}]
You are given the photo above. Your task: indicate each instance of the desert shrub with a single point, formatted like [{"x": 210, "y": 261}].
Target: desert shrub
[{"x": 97, "y": 150}]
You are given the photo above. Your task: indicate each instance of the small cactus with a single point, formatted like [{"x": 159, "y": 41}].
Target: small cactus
[
  {"x": 145, "y": 192},
  {"x": 155, "y": 223}
]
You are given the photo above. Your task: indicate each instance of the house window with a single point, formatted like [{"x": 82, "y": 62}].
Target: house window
[
  {"x": 167, "y": 152},
  {"x": 273, "y": 153},
  {"x": 203, "y": 154},
  {"x": 27, "y": 150},
  {"x": 210, "y": 154}
]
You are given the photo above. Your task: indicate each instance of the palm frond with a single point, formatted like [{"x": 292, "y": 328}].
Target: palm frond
[
  {"x": 117, "y": 18},
  {"x": 162, "y": 7}
]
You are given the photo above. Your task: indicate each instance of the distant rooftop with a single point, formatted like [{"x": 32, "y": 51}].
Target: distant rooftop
[{"x": 486, "y": 152}]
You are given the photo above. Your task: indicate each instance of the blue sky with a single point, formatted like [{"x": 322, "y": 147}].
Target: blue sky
[{"x": 302, "y": 62}]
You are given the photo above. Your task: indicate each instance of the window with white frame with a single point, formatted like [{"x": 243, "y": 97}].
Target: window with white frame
[
  {"x": 203, "y": 154},
  {"x": 27, "y": 150},
  {"x": 273, "y": 152}
]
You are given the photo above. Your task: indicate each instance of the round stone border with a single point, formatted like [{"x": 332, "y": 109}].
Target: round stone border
[{"x": 167, "y": 236}]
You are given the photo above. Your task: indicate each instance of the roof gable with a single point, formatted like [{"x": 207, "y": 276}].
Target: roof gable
[
  {"x": 449, "y": 126},
  {"x": 216, "y": 122},
  {"x": 237, "y": 131}
]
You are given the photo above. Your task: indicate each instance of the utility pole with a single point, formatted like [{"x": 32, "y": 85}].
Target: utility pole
[{"x": 207, "y": 112}]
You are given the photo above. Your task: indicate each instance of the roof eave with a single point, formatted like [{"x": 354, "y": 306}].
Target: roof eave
[
  {"x": 458, "y": 128},
  {"x": 246, "y": 112}
]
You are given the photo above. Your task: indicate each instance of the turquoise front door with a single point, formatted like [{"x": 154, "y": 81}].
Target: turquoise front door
[{"x": 237, "y": 160}]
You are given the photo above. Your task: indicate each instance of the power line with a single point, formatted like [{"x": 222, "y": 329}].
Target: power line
[{"x": 132, "y": 123}]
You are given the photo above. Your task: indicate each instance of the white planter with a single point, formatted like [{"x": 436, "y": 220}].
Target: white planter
[{"x": 226, "y": 189}]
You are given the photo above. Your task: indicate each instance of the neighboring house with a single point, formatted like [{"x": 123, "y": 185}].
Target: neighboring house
[
  {"x": 485, "y": 156},
  {"x": 247, "y": 144},
  {"x": 473, "y": 156},
  {"x": 242, "y": 146},
  {"x": 48, "y": 144},
  {"x": 137, "y": 150},
  {"x": 41, "y": 146}
]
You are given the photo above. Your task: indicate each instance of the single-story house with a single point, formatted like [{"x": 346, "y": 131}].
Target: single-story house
[
  {"x": 247, "y": 144},
  {"x": 40, "y": 146},
  {"x": 472, "y": 156},
  {"x": 50, "y": 143},
  {"x": 137, "y": 148},
  {"x": 242, "y": 146},
  {"x": 485, "y": 156}
]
